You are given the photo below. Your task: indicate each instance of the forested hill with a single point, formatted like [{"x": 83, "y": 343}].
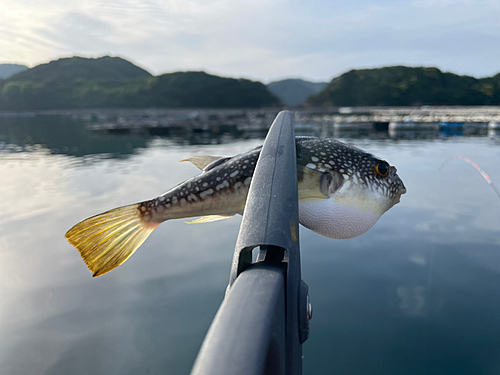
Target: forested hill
[
  {"x": 112, "y": 82},
  {"x": 80, "y": 69},
  {"x": 199, "y": 89},
  {"x": 406, "y": 86}
]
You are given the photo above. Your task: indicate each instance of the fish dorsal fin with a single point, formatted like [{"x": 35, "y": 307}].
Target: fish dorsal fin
[
  {"x": 203, "y": 161},
  {"x": 210, "y": 218},
  {"x": 206, "y": 162}
]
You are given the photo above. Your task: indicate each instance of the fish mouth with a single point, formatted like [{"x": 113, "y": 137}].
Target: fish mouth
[
  {"x": 396, "y": 198},
  {"x": 400, "y": 183}
]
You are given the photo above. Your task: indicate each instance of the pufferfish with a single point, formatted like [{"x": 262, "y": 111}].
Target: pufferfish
[{"x": 342, "y": 191}]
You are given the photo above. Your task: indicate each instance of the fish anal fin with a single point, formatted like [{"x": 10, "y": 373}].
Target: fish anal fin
[
  {"x": 210, "y": 218},
  {"x": 202, "y": 161}
]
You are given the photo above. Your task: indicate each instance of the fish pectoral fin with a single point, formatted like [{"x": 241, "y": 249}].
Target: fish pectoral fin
[
  {"x": 210, "y": 218},
  {"x": 309, "y": 181},
  {"x": 202, "y": 161},
  {"x": 316, "y": 184}
]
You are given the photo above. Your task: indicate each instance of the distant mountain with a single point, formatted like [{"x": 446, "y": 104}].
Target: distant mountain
[
  {"x": 112, "y": 82},
  {"x": 7, "y": 70},
  {"x": 105, "y": 68},
  {"x": 407, "y": 86},
  {"x": 295, "y": 91}
]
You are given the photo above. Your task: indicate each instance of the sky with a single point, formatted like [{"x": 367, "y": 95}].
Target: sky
[{"x": 264, "y": 40}]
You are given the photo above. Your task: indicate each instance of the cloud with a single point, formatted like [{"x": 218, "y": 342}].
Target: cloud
[
  {"x": 257, "y": 39},
  {"x": 436, "y": 4}
]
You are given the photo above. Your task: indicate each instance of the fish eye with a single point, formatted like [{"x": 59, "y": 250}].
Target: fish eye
[{"x": 382, "y": 169}]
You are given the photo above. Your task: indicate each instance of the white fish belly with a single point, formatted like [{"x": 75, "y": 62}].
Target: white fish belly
[{"x": 335, "y": 220}]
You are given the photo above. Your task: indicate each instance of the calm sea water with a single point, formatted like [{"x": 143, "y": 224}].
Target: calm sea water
[{"x": 417, "y": 294}]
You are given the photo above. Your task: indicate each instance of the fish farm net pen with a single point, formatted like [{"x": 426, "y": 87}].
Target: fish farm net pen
[{"x": 264, "y": 318}]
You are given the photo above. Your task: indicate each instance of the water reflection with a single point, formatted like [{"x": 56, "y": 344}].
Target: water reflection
[
  {"x": 417, "y": 294},
  {"x": 494, "y": 134},
  {"x": 412, "y": 300},
  {"x": 62, "y": 135},
  {"x": 413, "y": 134},
  {"x": 93, "y": 134}
]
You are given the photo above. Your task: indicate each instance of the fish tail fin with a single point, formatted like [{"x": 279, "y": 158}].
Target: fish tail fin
[{"x": 107, "y": 240}]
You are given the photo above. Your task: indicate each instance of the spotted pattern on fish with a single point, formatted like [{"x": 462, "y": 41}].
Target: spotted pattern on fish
[
  {"x": 224, "y": 176},
  {"x": 355, "y": 165},
  {"x": 343, "y": 191},
  {"x": 235, "y": 173}
]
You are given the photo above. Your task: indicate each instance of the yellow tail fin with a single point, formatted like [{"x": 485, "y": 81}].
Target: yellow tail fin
[{"x": 107, "y": 240}]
